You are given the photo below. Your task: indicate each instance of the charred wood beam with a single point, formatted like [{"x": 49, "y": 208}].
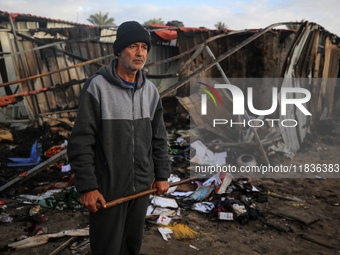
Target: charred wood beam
[
  {"x": 57, "y": 119},
  {"x": 162, "y": 76},
  {"x": 198, "y": 51}
]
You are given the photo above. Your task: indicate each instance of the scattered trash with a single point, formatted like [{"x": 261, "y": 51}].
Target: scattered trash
[
  {"x": 34, "y": 210},
  {"x": 34, "y": 158},
  {"x": 166, "y": 233},
  {"x": 6, "y": 134},
  {"x": 164, "y": 202},
  {"x": 181, "y": 193},
  {"x": 33, "y": 199},
  {"x": 24, "y": 174},
  {"x": 239, "y": 209},
  {"x": 173, "y": 178},
  {"x": 5, "y": 218},
  {"x": 54, "y": 150},
  {"x": 320, "y": 178},
  {"x": 225, "y": 216},
  {"x": 150, "y": 210},
  {"x": 66, "y": 168},
  {"x": 246, "y": 160},
  {"x": 233, "y": 206},
  {"x": 183, "y": 232},
  {"x": 68, "y": 198},
  {"x": 205, "y": 156},
  {"x": 215, "y": 180},
  {"x": 281, "y": 147},
  {"x": 202, "y": 192},
  {"x": 204, "y": 207},
  {"x": 195, "y": 248},
  {"x": 226, "y": 181},
  {"x": 163, "y": 220},
  {"x": 164, "y": 211}
]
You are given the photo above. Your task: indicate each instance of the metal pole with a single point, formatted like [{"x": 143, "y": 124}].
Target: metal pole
[{"x": 55, "y": 71}]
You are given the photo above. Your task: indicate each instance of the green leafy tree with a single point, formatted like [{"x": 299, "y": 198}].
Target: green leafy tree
[
  {"x": 221, "y": 25},
  {"x": 295, "y": 26},
  {"x": 153, "y": 21},
  {"x": 101, "y": 19}
]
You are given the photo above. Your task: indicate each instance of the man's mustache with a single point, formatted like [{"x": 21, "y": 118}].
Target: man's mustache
[{"x": 139, "y": 59}]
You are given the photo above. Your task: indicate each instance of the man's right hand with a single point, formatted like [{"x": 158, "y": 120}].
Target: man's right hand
[{"x": 90, "y": 199}]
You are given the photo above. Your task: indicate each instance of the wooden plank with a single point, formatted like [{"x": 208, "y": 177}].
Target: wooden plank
[
  {"x": 35, "y": 170},
  {"x": 110, "y": 51},
  {"x": 69, "y": 74},
  {"x": 9, "y": 63},
  {"x": 64, "y": 79},
  {"x": 84, "y": 54},
  {"x": 73, "y": 76},
  {"x": 18, "y": 64},
  {"x": 74, "y": 48},
  {"x": 105, "y": 51},
  {"x": 33, "y": 69},
  {"x": 43, "y": 98},
  {"x": 46, "y": 80},
  {"x": 56, "y": 78},
  {"x": 97, "y": 50},
  {"x": 91, "y": 54}
]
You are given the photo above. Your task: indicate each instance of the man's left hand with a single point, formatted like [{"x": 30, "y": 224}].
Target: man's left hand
[{"x": 161, "y": 186}]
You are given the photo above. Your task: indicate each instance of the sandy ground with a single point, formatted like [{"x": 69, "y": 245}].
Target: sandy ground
[{"x": 270, "y": 234}]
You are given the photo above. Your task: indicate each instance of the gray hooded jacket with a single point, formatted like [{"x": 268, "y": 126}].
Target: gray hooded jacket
[{"x": 118, "y": 144}]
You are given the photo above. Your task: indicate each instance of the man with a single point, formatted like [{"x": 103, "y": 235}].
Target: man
[{"x": 118, "y": 145}]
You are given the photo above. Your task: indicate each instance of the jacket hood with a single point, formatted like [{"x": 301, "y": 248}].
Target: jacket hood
[{"x": 109, "y": 73}]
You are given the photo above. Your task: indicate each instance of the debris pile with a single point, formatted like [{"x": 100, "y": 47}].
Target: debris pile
[{"x": 220, "y": 198}]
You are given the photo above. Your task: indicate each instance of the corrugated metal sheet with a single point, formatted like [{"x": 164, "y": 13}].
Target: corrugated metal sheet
[
  {"x": 34, "y": 62},
  {"x": 160, "y": 52},
  {"x": 72, "y": 39}
]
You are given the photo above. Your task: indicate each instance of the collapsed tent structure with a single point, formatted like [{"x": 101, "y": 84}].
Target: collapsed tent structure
[{"x": 45, "y": 62}]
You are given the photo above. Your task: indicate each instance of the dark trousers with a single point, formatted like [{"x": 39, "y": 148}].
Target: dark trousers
[{"x": 118, "y": 230}]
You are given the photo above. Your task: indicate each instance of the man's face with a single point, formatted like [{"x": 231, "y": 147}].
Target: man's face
[{"x": 133, "y": 57}]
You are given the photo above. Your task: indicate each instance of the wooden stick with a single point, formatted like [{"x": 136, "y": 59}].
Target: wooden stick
[
  {"x": 63, "y": 246},
  {"x": 140, "y": 194}
]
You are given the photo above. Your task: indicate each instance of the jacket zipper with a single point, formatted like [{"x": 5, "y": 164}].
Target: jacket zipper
[{"x": 133, "y": 141}]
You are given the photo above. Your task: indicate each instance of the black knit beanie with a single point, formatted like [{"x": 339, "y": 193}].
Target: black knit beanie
[{"x": 128, "y": 33}]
